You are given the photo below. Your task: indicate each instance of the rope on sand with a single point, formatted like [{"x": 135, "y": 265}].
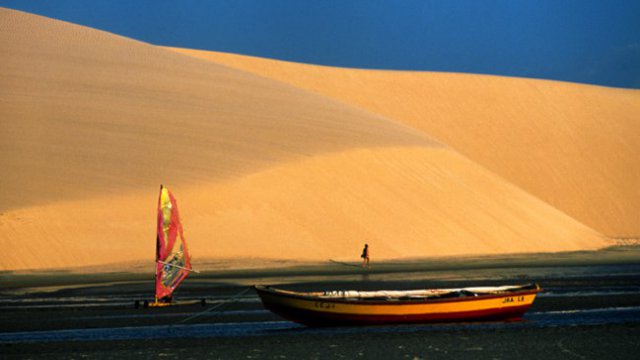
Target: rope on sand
[{"x": 233, "y": 298}]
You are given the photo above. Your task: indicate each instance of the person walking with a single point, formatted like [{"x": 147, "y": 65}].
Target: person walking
[{"x": 365, "y": 256}]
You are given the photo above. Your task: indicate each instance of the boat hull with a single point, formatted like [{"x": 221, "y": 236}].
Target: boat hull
[{"x": 316, "y": 311}]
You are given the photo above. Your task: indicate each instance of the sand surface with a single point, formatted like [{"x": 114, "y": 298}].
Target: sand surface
[
  {"x": 574, "y": 146},
  {"x": 586, "y": 296},
  {"x": 92, "y": 123}
]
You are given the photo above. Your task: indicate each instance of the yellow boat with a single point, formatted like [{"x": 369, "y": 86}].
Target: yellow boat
[{"x": 334, "y": 308}]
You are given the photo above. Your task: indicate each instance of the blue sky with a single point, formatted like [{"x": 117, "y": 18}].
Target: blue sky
[{"x": 587, "y": 41}]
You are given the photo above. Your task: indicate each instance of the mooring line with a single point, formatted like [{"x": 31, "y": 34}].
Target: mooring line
[{"x": 233, "y": 298}]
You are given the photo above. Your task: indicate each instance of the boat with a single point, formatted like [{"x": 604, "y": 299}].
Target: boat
[
  {"x": 340, "y": 308},
  {"x": 173, "y": 263}
]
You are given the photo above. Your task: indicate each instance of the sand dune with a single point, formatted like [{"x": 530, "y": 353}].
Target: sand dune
[
  {"x": 574, "y": 146},
  {"x": 404, "y": 201},
  {"x": 81, "y": 104},
  {"x": 92, "y": 123}
]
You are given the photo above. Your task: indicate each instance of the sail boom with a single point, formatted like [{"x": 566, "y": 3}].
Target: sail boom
[{"x": 178, "y": 266}]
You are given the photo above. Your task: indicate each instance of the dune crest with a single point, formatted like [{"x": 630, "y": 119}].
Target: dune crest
[
  {"x": 92, "y": 123},
  {"x": 574, "y": 146},
  {"x": 85, "y": 112}
]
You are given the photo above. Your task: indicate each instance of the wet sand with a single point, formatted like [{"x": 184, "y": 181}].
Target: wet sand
[
  {"x": 590, "y": 308},
  {"x": 593, "y": 342}
]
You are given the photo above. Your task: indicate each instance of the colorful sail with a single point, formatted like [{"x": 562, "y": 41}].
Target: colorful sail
[{"x": 172, "y": 258}]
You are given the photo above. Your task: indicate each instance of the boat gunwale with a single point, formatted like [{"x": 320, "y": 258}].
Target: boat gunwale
[{"x": 398, "y": 302}]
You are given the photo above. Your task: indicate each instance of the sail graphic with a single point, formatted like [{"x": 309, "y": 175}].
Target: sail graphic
[{"x": 172, "y": 257}]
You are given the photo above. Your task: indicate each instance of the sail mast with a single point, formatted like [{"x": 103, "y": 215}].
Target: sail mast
[{"x": 158, "y": 244}]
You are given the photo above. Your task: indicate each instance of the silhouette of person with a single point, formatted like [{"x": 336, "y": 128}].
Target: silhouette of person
[{"x": 365, "y": 256}]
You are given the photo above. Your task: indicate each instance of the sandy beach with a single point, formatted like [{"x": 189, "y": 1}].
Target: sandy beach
[{"x": 586, "y": 295}]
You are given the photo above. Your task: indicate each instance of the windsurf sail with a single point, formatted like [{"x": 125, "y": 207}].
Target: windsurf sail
[{"x": 173, "y": 263}]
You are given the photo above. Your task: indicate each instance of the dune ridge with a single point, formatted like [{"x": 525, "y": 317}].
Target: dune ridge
[
  {"x": 67, "y": 88},
  {"x": 92, "y": 123},
  {"x": 572, "y": 145}
]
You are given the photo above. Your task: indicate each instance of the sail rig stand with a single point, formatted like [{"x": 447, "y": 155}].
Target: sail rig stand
[{"x": 173, "y": 262}]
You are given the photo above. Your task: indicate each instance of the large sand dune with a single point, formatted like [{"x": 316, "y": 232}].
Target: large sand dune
[
  {"x": 574, "y": 146},
  {"x": 91, "y": 124}
]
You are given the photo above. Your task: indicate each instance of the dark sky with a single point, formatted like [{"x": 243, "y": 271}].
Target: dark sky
[{"x": 588, "y": 41}]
